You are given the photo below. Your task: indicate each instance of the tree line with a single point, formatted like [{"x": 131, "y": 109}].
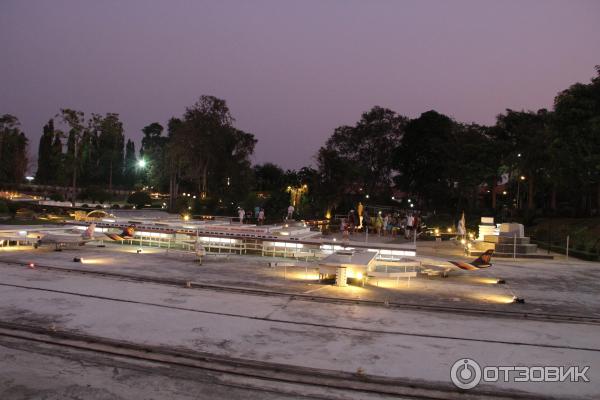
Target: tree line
[{"x": 528, "y": 161}]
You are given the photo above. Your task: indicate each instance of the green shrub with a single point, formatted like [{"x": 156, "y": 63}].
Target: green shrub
[
  {"x": 139, "y": 199},
  {"x": 56, "y": 196},
  {"x": 4, "y": 207}
]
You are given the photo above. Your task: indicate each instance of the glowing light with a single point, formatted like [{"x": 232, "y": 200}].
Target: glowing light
[
  {"x": 487, "y": 281},
  {"x": 359, "y": 275},
  {"x": 412, "y": 205},
  {"x": 367, "y": 196},
  {"x": 93, "y": 261},
  {"x": 449, "y": 230},
  {"x": 141, "y": 163},
  {"x": 504, "y": 192},
  {"x": 437, "y": 231},
  {"x": 186, "y": 217},
  {"x": 463, "y": 241},
  {"x": 29, "y": 178},
  {"x": 493, "y": 298},
  {"x": 522, "y": 177}
]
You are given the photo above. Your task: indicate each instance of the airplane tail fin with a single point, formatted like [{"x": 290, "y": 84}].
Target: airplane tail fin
[
  {"x": 484, "y": 259},
  {"x": 89, "y": 232},
  {"x": 114, "y": 236},
  {"x": 126, "y": 234}
]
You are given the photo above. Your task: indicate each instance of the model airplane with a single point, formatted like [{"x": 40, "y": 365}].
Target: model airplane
[
  {"x": 482, "y": 262},
  {"x": 65, "y": 239},
  {"x": 127, "y": 234}
]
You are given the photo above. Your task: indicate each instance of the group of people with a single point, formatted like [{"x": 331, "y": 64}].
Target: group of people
[
  {"x": 383, "y": 224},
  {"x": 259, "y": 214}
]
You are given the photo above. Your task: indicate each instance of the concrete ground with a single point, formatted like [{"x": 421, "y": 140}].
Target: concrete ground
[{"x": 411, "y": 345}]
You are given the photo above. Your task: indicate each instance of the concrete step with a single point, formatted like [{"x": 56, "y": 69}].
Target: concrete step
[
  {"x": 505, "y": 239},
  {"x": 520, "y": 248},
  {"x": 477, "y": 253},
  {"x": 535, "y": 256}
]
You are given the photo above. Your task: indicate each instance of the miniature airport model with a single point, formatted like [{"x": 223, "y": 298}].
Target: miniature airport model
[{"x": 507, "y": 240}]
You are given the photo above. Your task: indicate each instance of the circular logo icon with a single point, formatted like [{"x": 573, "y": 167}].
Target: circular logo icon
[{"x": 465, "y": 373}]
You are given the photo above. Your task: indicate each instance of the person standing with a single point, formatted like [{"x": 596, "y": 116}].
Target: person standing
[
  {"x": 359, "y": 209},
  {"x": 379, "y": 223},
  {"x": 386, "y": 223},
  {"x": 351, "y": 221},
  {"x": 290, "y": 212},
  {"x": 241, "y": 214},
  {"x": 416, "y": 223},
  {"x": 261, "y": 216},
  {"x": 409, "y": 226}
]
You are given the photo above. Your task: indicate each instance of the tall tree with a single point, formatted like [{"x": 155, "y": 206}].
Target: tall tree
[
  {"x": 13, "y": 150},
  {"x": 576, "y": 128},
  {"x": 44, "y": 172},
  {"x": 268, "y": 177},
  {"x": 130, "y": 161},
  {"x": 210, "y": 146},
  {"x": 424, "y": 158},
  {"x": 91, "y": 170},
  {"x": 154, "y": 153},
  {"x": 110, "y": 147},
  {"x": 74, "y": 120},
  {"x": 366, "y": 148},
  {"x": 474, "y": 163},
  {"x": 528, "y": 135}
]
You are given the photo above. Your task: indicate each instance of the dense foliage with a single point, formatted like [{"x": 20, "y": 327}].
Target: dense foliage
[{"x": 529, "y": 162}]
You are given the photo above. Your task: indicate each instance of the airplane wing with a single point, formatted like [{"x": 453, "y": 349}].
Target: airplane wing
[
  {"x": 127, "y": 234},
  {"x": 463, "y": 265},
  {"x": 482, "y": 262}
]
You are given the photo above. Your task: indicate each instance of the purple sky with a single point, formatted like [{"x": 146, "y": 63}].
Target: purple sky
[{"x": 291, "y": 71}]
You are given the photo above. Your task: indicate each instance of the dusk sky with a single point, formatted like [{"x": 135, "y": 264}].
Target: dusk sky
[{"x": 291, "y": 71}]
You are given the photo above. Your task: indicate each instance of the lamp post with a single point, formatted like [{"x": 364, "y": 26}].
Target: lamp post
[
  {"x": 368, "y": 220},
  {"x": 521, "y": 178}
]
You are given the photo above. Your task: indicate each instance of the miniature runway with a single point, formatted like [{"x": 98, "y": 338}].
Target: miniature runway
[{"x": 380, "y": 343}]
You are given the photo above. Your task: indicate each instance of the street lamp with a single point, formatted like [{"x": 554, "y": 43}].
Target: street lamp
[
  {"x": 141, "y": 163},
  {"x": 519, "y": 192}
]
